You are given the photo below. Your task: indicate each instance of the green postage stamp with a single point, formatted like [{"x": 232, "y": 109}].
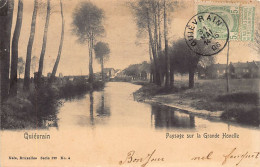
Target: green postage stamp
[{"x": 239, "y": 18}]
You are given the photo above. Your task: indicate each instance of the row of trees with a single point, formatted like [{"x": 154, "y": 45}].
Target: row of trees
[
  {"x": 88, "y": 27},
  {"x": 151, "y": 17},
  {"x": 5, "y": 35}
]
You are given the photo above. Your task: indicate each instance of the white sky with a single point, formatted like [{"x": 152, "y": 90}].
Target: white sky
[{"x": 120, "y": 35}]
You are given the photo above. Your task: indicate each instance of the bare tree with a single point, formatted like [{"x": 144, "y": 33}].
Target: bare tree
[
  {"x": 29, "y": 47},
  {"x": 44, "y": 43},
  {"x": 102, "y": 54},
  {"x": 5, "y": 35},
  {"x": 14, "y": 60},
  {"x": 61, "y": 44},
  {"x": 87, "y": 25},
  {"x": 167, "y": 82},
  {"x": 146, "y": 18}
]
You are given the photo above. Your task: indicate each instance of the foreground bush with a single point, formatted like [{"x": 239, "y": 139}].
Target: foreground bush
[
  {"x": 45, "y": 101},
  {"x": 33, "y": 109},
  {"x": 17, "y": 113}
]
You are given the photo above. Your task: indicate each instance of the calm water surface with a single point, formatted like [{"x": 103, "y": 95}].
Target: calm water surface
[{"x": 115, "y": 107}]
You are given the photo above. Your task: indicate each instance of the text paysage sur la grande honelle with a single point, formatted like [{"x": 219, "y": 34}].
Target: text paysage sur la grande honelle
[{"x": 201, "y": 135}]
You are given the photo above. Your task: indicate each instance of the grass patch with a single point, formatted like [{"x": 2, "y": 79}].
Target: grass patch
[
  {"x": 241, "y": 104},
  {"x": 148, "y": 90}
]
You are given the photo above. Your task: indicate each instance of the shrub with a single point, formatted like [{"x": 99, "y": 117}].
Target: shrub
[
  {"x": 45, "y": 102},
  {"x": 17, "y": 113},
  {"x": 242, "y": 97}
]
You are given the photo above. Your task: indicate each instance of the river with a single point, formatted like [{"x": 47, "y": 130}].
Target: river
[{"x": 115, "y": 107}]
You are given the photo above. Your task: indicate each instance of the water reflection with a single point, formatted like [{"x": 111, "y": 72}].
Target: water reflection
[
  {"x": 91, "y": 99},
  {"x": 98, "y": 108},
  {"x": 166, "y": 117},
  {"x": 103, "y": 109}
]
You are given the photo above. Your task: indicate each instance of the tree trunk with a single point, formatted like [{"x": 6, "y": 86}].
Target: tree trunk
[
  {"x": 26, "y": 85},
  {"x": 91, "y": 75},
  {"x": 154, "y": 63},
  {"x": 5, "y": 35},
  {"x": 61, "y": 44},
  {"x": 159, "y": 66},
  {"x": 156, "y": 76},
  {"x": 44, "y": 43},
  {"x": 102, "y": 69},
  {"x": 151, "y": 66},
  {"x": 171, "y": 77},
  {"x": 191, "y": 78},
  {"x": 167, "y": 61},
  {"x": 159, "y": 28},
  {"x": 156, "y": 35},
  {"x": 14, "y": 60}
]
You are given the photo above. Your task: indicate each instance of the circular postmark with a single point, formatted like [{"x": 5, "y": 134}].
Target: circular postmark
[
  {"x": 206, "y": 34},
  {"x": 3, "y": 3}
]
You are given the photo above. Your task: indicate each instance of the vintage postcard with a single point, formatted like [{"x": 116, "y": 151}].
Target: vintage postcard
[{"x": 129, "y": 83}]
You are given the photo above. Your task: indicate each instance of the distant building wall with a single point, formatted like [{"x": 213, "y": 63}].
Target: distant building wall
[{"x": 236, "y": 70}]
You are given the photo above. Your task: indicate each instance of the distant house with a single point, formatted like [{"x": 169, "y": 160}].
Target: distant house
[
  {"x": 244, "y": 70},
  {"x": 236, "y": 70},
  {"x": 254, "y": 69},
  {"x": 109, "y": 72},
  {"x": 117, "y": 72},
  {"x": 120, "y": 73}
]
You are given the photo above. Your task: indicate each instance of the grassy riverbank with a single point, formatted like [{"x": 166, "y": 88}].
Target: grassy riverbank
[
  {"x": 31, "y": 109},
  {"x": 241, "y": 104}
]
